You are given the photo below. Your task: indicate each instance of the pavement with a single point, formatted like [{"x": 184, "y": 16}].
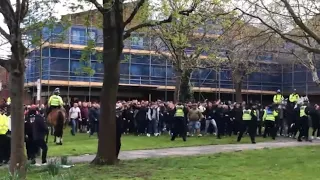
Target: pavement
[{"x": 197, "y": 150}]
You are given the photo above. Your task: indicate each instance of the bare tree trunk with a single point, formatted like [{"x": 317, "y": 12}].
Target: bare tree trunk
[
  {"x": 238, "y": 90},
  {"x": 185, "y": 89},
  {"x": 177, "y": 89},
  {"x": 112, "y": 49},
  {"x": 18, "y": 158}
]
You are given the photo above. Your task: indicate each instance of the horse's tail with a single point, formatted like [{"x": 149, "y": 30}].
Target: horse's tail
[{"x": 60, "y": 118}]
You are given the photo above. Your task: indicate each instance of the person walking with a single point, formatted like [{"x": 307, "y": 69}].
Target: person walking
[
  {"x": 179, "y": 124},
  {"x": 248, "y": 123},
  {"x": 269, "y": 118},
  {"x": 40, "y": 131}
]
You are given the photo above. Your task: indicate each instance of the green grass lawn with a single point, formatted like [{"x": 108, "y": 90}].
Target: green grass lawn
[
  {"x": 82, "y": 144},
  {"x": 287, "y": 163}
]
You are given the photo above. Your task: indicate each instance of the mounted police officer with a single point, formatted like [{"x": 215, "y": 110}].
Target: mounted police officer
[{"x": 55, "y": 101}]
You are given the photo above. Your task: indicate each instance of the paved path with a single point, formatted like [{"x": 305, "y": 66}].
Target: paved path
[{"x": 198, "y": 150}]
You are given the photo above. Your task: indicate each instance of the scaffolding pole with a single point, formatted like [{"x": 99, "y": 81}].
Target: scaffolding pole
[{"x": 69, "y": 62}]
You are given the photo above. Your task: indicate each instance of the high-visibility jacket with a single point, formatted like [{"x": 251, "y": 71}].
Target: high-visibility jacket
[
  {"x": 55, "y": 100},
  {"x": 269, "y": 115},
  {"x": 294, "y": 97},
  {"x": 3, "y": 125},
  {"x": 179, "y": 111},
  {"x": 277, "y": 99},
  {"x": 246, "y": 115},
  {"x": 303, "y": 111}
]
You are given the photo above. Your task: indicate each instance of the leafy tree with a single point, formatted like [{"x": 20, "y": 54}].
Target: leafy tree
[
  {"x": 186, "y": 39},
  {"x": 25, "y": 21},
  {"x": 119, "y": 21},
  {"x": 243, "y": 45},
  {"x": 296, "y": 22}
]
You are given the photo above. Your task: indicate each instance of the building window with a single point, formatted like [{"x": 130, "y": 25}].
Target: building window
[{"x": 78, "y": 36}]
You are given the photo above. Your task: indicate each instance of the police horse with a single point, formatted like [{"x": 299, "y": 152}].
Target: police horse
[{"x": 56, "y": 119}]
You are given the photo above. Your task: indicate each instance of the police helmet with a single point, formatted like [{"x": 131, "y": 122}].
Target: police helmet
[{"x": 56, "y": 91}]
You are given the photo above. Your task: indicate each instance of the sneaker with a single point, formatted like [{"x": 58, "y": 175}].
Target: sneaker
[
  {"x": 312, "y": 137},
  {"x": 200, "y": 135},
  {"x": 318, "y": 138},
  {"x": 148, "y": 135}
]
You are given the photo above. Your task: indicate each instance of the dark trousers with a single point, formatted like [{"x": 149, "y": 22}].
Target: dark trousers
[
  {"x": 4, "y": 148},
  {"x": 51, "y": 108},
  {"x": 304, "y": 128},
  {"x": 250, "y": 127},
  {"x": 315, "y": 127},
  {"x": 94, "y": 125},
  {"x": 179, "y": 128},
  {"x": 31, "y": 149},
  {"x": 118, "y": 143},
  {"x": 230, "y": 125},
  {"x": 42, "y": 145},
  {"x": 270, "y": 129},
  {"x": 220, "y": 126}
]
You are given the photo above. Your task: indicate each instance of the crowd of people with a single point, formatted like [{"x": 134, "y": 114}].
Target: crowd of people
[{"x": 144, "y": 118}]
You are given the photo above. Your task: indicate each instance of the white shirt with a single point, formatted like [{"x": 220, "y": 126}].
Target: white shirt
[{"x": 74, "y": 112}]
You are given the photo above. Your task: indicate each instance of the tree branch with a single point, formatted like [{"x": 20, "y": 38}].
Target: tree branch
[
  {"x": 283, "y": 36},
  {"x": 97, "y": 5},
  {"x": 134, "y": 12},
  {"x": 24, "y": 9},
  {"x": 4, "y": 34},
  {"x": 157, "y": 23},
  {"x": 299, "y": 22},
  {"x": 5, "y": 64}
]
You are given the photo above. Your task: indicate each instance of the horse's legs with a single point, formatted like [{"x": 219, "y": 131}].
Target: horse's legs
[{"x": 51, "y": 130}]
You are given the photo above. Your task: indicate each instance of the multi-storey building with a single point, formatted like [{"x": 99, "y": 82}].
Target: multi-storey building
[{"x": 144, "y": 73}]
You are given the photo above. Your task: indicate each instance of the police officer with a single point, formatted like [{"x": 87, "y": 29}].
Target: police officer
[
  {"x": 304, "y": 122},
  {"x": 4, "y": 139},
  {"x": 249, "y": 118},
  {"x": 277, "y": 98},
  {"x": 40, "y": 131},
  {"x": 55, "y": 101},
  {"x": 30, "y": 146},
  {"x": 269, "y": 118},
  {"x": 293, "y": 98},
  {"x": 179, "y": 123}
]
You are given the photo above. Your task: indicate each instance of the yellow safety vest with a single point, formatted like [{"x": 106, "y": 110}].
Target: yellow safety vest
[
  {"x": 54, "y": 100},
  {"x": 246, "y": 115},
  {"x": 277, "y": 98},
  {"x": 179, "y": 112},
  {"x": 293, "y": 97},
  {"x": 3, "y": 125},
  {"x": 270, "y": 115},
  {"x": 302, "y": 111}
]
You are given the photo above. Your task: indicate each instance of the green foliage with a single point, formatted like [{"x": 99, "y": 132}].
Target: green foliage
[
  {"x": 53, "y": 167},
  {"x": 40, "y": 19}
]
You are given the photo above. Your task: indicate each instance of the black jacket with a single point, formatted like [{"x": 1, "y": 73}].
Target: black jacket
[{"x": 39, "y": 128}]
